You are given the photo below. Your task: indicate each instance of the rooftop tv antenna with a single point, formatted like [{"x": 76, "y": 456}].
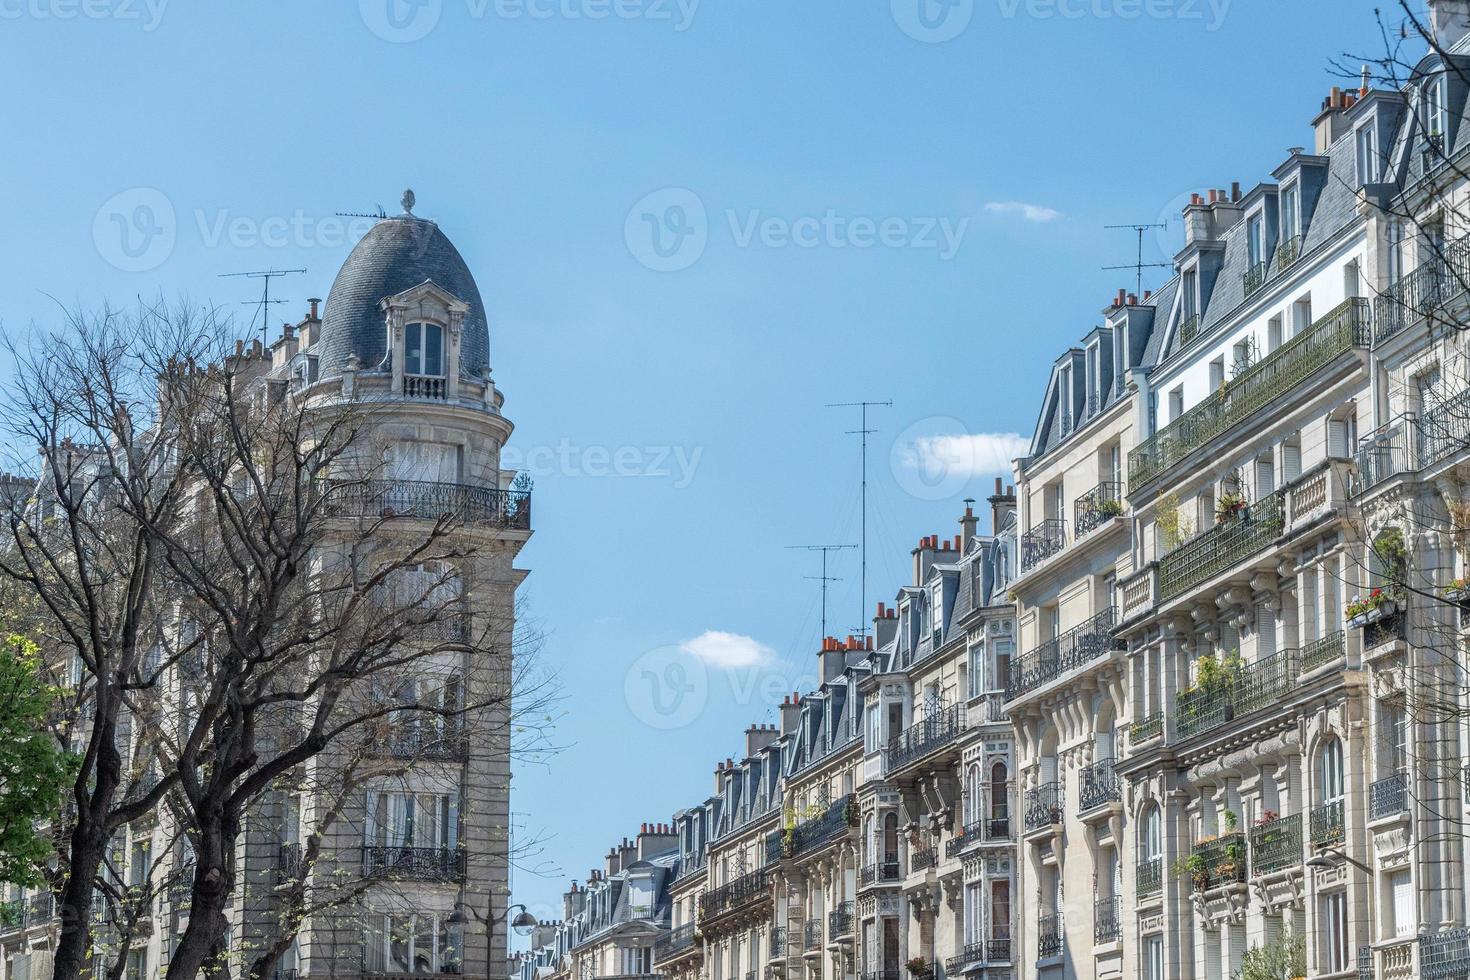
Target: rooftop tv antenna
[
  {"x": 265, "y": 302},
  {"x": 1139, "y": 265},
  {"x": 864, "y": 432},
  {"x": 824, "y": 578}
]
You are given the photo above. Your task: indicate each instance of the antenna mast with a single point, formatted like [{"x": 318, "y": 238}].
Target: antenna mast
[
  {"x": 864, "y": 432},
  {"x": 824, "y": 577},
  {"x": 265, "y": 302},
  {"x": 1139, "y": 265}
]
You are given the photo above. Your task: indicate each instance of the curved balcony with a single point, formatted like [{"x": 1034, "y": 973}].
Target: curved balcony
[
  {"x": 429, "y": 500},
  {"x": 839, "y": 922},
  {"x": 413, "y": 863}
]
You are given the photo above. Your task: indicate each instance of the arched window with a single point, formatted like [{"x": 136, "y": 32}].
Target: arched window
[
  {"x": 1329, "y": 771},
  {"x": 423, "y": 350},
  {"x": 890, "y": 838},
  {"x": 1152, "y": 836},
  {"x": 1000, "y": 801}
]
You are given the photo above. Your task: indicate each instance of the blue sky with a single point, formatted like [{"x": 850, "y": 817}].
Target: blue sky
[{"x": 694, "y": 225}]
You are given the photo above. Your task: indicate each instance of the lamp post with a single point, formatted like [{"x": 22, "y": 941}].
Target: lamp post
[{"x": 524, "y": 924}]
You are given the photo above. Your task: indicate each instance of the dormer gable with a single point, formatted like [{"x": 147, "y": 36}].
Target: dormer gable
[{"x": 424, "y": 325}]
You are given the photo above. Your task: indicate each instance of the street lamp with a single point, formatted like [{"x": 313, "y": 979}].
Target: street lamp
[
  {"x": 524, "y": 923},
  {"x": 1322, "y": 862}
]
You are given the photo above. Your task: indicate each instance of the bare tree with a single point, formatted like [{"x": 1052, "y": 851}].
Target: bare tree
[{"x": 236, "y": 609}]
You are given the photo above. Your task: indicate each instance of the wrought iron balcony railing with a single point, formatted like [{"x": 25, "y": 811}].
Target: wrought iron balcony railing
[
  {"x": 1298, "y": 360},
  {"x": 417, "y": 863},
  {"x": 778, "y": 942},
  {"x": 736, "y": 893},
  {"x": 288, "y": 863},
  {"x": 1049, "y": 936},
  {"x": 882, "y": 871},
  {"x": 996, "y": 827},
  {"x": 811, "y": 935},
  {"x": 1276, "y": 844},
  {"x": 810, "y": 835},
  {"x": 1146, "y": 729},
  {"x": 1436, "y": 281},
  {"x": 923, "y": 737},
  {"x": 1390, "y": 629},
  {"x": 1107, "y": 922},
  {"x": 922, "y": 858},
  {"x": 997, "y": 951},
  {"x": 1188, "y": 331},
  {"x": 430, "y": 500},
  {"x": 1389, "y": 796},
  {"x": 1322, "y": 651},
  {"x": 1150, "y": 876},
  {"x": 1045, "y": 539},
  {"x": 1222, "y": 547},
  {"x": 839, "y": 920},
  {"x": 419, "y": 742},
  {"x": 1287, "y": 253},
  {"x": 1097, "y": 506},
  {"x": 1044, "y": 806},
  {"x": 1218, "y": 862},
  {"x": 1077, "y": 646},
  {"x": 1444, "y": 955},
  {"x": 1254, "y": 278},
  {"x": 677, "y": 940},
  {"x": 1326, "y": 824},
  {"x": 1443, "y": 428},
  {"x": 1242, "y": 689},
  {"x": 1098, "y": 784}
]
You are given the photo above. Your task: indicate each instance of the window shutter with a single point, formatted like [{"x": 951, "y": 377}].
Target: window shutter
[
  {"x": 1337, "y": 446},
  {"x": 1403, "y": 904}
]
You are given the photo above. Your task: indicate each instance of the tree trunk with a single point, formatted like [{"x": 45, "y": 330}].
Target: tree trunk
[{"x": 201, "y": 948}]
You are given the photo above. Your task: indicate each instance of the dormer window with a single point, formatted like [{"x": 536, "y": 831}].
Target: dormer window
[
  {"x": 1291, "y": 210},
  {"x": 423, "y": 350},
  {"x": 1367, "y": 152}
]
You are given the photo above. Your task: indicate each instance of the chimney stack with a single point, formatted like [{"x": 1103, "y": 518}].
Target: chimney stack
[
  {"x": 968, "y": 523},
  {"x": 758, "y": 737},
  {"x": 790, "y": 713},
  {"x": 655, "y": 839},
  {"x": 1002, "y": 504},
  {"x": 1331, "y": 123}
]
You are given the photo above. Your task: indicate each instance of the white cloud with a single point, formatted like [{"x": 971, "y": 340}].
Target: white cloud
[
  {"x": 1030, "y": 212},
  {"x": 981, "y": 454},
  {"x": 728, "y": 650}
]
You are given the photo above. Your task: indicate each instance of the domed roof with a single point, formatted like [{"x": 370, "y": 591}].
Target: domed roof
[{"x": 395, "y": 255}]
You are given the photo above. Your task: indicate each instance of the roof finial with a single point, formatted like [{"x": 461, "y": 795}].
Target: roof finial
[{"x": 408, "y": 201}]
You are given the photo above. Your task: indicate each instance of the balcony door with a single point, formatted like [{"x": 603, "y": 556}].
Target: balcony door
[
  {"x": 418, "y": 820},
  {"x": 432, "y": 462}
]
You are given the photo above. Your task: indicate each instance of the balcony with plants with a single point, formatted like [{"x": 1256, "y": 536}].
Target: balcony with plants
[
  {"x": 1227, "y": 687},
  {"x": 1276, "y": 843},
  {"x": 819, "y": 828},
  {"x": 1327, "y": 827},
  {"x": 1215, "y": 862},
  {"x": 1244, "y": 397},
  {"x": 1241, "y": 532},
  {"x": 1097, "y": 507}
]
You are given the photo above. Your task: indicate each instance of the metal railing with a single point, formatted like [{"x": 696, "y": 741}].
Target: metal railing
[
  {"x": 418, "y": 742},
  {"x": 1049, "y": 937},
  {"x": 1298, "y": 360},
  {"x": 990, "y": 828},
  {"x": 1244, "y": 689},
  {"x": 1436, "y": 281},
  {"x": 778, "y": 942},
  {"x": 1222, "y": 547},
  {"x": 882, "y": 871},
  {"x": 1326, "y": 824},
  {"x": 674, "y": 942},
  {"x": 1276, "y": 844},
  {"x": 923, "y": 737},
  {"x": 1388, "y": 796},
  {"x": 1188, "y": 331},
  {"x": 1149, "y": 727},
  {"x": 1443, "y": 428},
  {"x": 1254, "y": 278},
  {"x": 1077, "y": 646},
  {"x": 1386, "y": 452},
  {"x": 431, "y": 500},
  {"x": 1389, "y": 629},
  {"x": 419, "y": 863},
  {"x": 1221, "y": 861},
  {"x": 288, "y": 863},
  {"x": 1098, "y": 783},
  {"x": 1287, "y": 253},
  {"x": 1045, "y": 539},
  {"x": 1150, "y": 875},
  {"x": 811, "y": 935},
  {"x": 1323, "y": 650},
  {"x": 1107, "y": 922},
  {"x": 1444, "y": 955},
  {"x": 997, "y": 951},
  {"x": 1097, "y": 506},
  {"x": 1044, "y": 806},
  {"x": 810, "y": 835},
  {"x": 922, "y": 857},
  {"x": 839, "y": 920},
  {"x": 736, "y": 893}
]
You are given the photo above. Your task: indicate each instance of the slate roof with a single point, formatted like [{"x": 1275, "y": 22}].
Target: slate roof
[{"x": 395, "y": 255}]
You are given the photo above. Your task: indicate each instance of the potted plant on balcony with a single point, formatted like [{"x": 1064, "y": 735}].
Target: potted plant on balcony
[
  {"x": 1377, "y": 605},
  {"x": 1457, "y": 592},
  {"x": 917, "y": 967},
  {"x": 1193, "y": 868},
  {"x": 1110, "y": 508},
  {"x": 1230, "y": 507}
]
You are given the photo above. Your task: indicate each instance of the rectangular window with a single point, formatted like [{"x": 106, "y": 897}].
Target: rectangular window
[
  {"x": 1334, "y": 932},
  {"x": 1154, "y": 958},
  {"x": 1401, "y": 891},
  {"x": 1290, "y": 212},
  {"x": 1367, "y": 143},
  {"x": 1256, "y": 240},
  {"x": 423, "y": 350}
]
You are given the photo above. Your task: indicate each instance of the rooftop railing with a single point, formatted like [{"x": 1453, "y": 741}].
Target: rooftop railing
[
  {"x": 923, "y": 737},
  {"x": 1097, "y": 506},
  {"x": 1291, "y": 364},
  {"x": 1077, "y": 646},
  {"x": 1222, "y": 547},
  {"x": 1287, "y": 253},
  {"x": 1436, "y": 281},
  {"x": 1045, "y": 539},
  {"x": 1254, "y": 278},
  {"x": 1188, "y": 330}
]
